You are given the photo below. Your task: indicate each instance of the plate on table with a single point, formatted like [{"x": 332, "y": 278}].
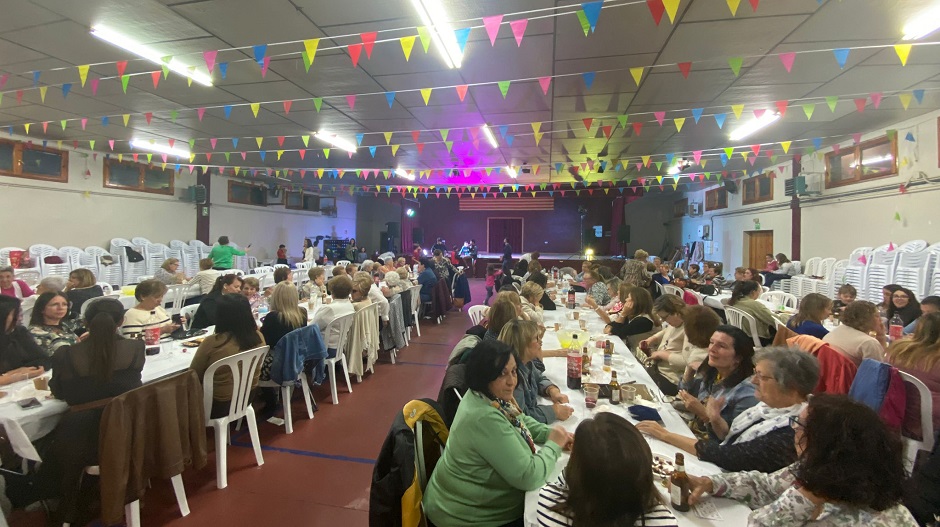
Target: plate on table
[
  {"x": 193, "y": 343},
  {"x": 663, "y": 467}
]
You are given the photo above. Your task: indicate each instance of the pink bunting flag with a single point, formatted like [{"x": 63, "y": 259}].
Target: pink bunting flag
[
  {"x": 545, "y": 82},
  {"x": 111, "y": 144},
  {"x": 782, "y": 107},
  {"x": 45, "y": 126},
  {"x": 355, "y": 51},
  {"x": 755, "y": 149},
  {"x": 697, "y": 156},
  {"x": 148, "y": 116},
  {"x": 212, "y": 142},
  {"x": 890, "y": 246},
  {"x": 857, "y": 137},
  {"x": 94, "y": 86},
  {"x": 876, "y": 99},
  {"x": 787, "y": 59},
  {"x": 639, "y": 166},
  {"x": 860, "y": 104},
  {"x": 758, "y": 113},
  {"x": 491, "y": 24},
  {"x": 863, "y": 259},
  {"x": 19, "y": 96},
  {"x": 287, "y": 105},
  {"x": 351, "y": 101},
  {"x": 121, "y": 67},
  {"x": 3, "y": 79},
  {"x": 265, "y": 63},
  {"x": 209, "y": 57},
  {"x": 518, "y": 29},
  {"x": 171, "y": 142},
  {"x": 155, "y": 75},
  {"x": 660, "y": 117},
  {"x": 462, "y": 91},
  {"x": 200, "y": 112},
  {"x": 244, "y": 156},
  {"x": 84, "y": 122},
  {"x": 368, "y": 41}
]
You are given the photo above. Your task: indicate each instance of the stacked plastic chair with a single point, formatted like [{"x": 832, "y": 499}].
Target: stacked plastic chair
[
  {"x": 132, "y": 270},
  {"x": 880, "y": 272},
  {"x": 857, "y": 267}
]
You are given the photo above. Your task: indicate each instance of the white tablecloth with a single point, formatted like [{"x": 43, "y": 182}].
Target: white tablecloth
[
  {"x": 732, "y": 512},
  {"x": 36, "y": 423}
]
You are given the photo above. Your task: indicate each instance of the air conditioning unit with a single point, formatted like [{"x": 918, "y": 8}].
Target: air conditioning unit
[
  {"x": 804, "y": 185},
  {"x": 695, "y": 209},
  {"x": 195, "y": 194}
]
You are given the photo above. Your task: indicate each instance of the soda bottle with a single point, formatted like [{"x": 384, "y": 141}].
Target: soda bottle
[
  {"x": 575, "y": 364},
  {"x": 895, "y": 328}
]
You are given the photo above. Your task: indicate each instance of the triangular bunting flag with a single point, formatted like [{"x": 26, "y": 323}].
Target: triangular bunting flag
[
  {"x": 407, "y": 44},
  {"x": 504, "y": 87},
  {"x": 462, "y": 35},
  {"x": 903, "y": 51},
  {"x": 842, "y": 56},
  {"x": 808, "y": 109},
  {"x": 368, "y": 42},
  {"x": 685, "y": 68},
  {"x": 426, "y": 95},
  {"x": 545, "y": 82},
  {"x": 491, "y": 24},
  {"x": 518, "y": 29},
  {"x": 787, "y": 59},
  {"x": 736, "y": 63},
  {"x": 82, "y": 74},
  {"x": 637, "y": 74},
  {"x": 679, "y": 122}
]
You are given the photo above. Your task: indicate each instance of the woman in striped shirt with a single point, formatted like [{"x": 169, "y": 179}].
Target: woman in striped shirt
[{"x": 608, "y": 481}]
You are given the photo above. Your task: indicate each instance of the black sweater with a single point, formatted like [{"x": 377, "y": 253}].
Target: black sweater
[{"x": 19, "y": 349}]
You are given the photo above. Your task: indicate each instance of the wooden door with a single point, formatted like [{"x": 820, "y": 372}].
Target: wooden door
[
  {"x": 759, "y": 244},
  {"x": 498, "y": 229}
]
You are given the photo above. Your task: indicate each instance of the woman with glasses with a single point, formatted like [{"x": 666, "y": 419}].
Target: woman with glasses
[
  {"x": 760, "y": 438},
  {"x": 905, "y": 305},
  {"x": 848, "y": 472},
  {"x": 524, "y": 337}
]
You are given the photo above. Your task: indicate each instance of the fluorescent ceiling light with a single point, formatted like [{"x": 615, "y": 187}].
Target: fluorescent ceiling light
[
  {"x": 160, "y": 149},
  {"x": 755, "y": 125},
  {"x": 152, "y": 55},
  {"x": 434, "y": 17},
  {"x": 489, "y": 136},
  {"x": 402, "y": 173},
  {"x": 336, "y": 141},
  {"x": 922, "y": 24},
  {"x": 512, "y": 172}
]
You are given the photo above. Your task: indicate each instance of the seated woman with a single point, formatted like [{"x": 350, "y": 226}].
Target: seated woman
[
  {"x": 103, "y": 365},
  {"x": 700, "y": 324},
  {"x": 853, "y": 336},
  {"x": 613, "y": 306},
  {"x": 744, "y": 297},
  {"x": 530, "y": 296},
  {"x": 523, "y": 336},
  {"x": 662, "y": 277},
  {"x": 752, "y": 274},
  {"x": 491, "y": 461},
  {"x": 886, "y": 293},
  {"x": 426, "y": 278},
  {"x": 148, "y": 312},
  {"x": 499, "y": 314},
  {"x": 760, "y": 438},
  {"x": 785, "y": 269},
  {"x": 235, "y": 332},
  {"x": 20, "y": 356},
  {"x": 206, "y": 314},
  {"x": 546, "y": 301},
  {"x": 771, "y": 263},
  {"x": 595, "y": 288},
  {"x": 905, "y": 305},
  {"x": 636, "y": 317},
  {"x": 81, "y": 288},
  {"x": 168, "y": 272},
  {"x": 250, "y": 290},
  {"x": 814, "y": 309},
  {"x": 665, "y": 348},
  {"x": 374, "y": 294},
  {"x": 285, "y": 316},
  {"x": 51, "y": 284},
  {"x": 360, "y": 292},
  {"x": 12, "y": 286},
  {"x": 920, "y": 356},
  {"x": 695, "y": 273},
  {"x": 317, "y": 285},
  {"x": 393, "y": 285},
  {"x": 721, "y": 389},
  {"x": 340, "y": 288},
  {"x": 846, "y": 296},
  {"x": 616, "y": 489},
  {"x": 849, "y": 471},
  {"x": 206, "y": 276},
  {"x": 49, "y": 324}
]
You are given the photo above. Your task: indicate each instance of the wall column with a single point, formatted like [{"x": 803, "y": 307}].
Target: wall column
[
  {"x": 796, "y": 226},
  {"x": 203, "y": 211}
]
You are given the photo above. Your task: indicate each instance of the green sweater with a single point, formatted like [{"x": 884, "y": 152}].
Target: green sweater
[
  {"x": 222, "y": 256},
  {"x": 487, "y": 467}
]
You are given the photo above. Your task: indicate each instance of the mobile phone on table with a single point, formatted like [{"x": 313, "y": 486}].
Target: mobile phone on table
[{"x": 26, "y": 404}]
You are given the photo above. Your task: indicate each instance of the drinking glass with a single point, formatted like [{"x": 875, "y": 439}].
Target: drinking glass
[
  {"x": 627, "y": 394},
  {"x": 591, "y": 392}
]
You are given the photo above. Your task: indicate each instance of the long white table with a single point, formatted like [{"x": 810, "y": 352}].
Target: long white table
[
  {"x": 35, "y": 423},
  {"x": 732, "y": 512}
]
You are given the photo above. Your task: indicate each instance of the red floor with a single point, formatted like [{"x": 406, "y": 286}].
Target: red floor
[{"x": 320, "y": 474}]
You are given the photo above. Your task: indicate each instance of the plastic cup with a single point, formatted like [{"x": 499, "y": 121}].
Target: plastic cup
[
  {"x": 627, "y": 394},
  {"x": 41, "y": 383},
  {"x": 577, "y": 315},
  {"x": 591, "y": 392}
]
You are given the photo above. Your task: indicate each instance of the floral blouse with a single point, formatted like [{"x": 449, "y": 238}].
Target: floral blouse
[
  {"x": 51, "y": 338},
  {"x": 776, "y": 501}
]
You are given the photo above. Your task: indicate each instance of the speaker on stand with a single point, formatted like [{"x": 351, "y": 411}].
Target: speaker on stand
[{"x": 392, "y": 233}]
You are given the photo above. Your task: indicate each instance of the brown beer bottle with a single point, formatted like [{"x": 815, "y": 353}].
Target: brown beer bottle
[
  {"x": 614, "y": 389},
  {"x": 679, "y": 486}
]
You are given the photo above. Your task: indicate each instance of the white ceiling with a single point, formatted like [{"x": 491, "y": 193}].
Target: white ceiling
[{"x": 52, "y": 36}]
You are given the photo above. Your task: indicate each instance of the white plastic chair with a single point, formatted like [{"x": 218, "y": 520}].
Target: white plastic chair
[
  {"x": 287, "y": 390},
  {"x": 343, "y": 263},
  {"x": 176, "y": 295},
  {"x": 779, "y": 298},
  {"x": 188, "y": 312},
  {"x": 673, "y": 290},
  {"x": 699, "y": 297},
  {"x": 344, "y": 324},
  {"x": 31, "y": 276},
  {"x": 416, "y": 308},
  {"x": 736, "y": 318},
  {"x": 477, "y": 313},
  {"x": 913, "y": 446},
  {"x": 106, "y": 288},
  {"x": 132, "y": 509},
  {"x": 242, "y": 366}
]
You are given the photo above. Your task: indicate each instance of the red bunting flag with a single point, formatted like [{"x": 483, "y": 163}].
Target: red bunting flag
[
  {"x": 657, "y": 9},
  {"x": 607, "y": 129},
  {"x": 755, "y": 149},
  {"x": 355, "y": 51},
  {"x": 637, "y": 127},
  {"x": 782, "y": 107},
  {"x": 415, "y": 134},
  {"x": 860, "y": 104},
  {"x": 685, "y": 68},
  {"x": 148, "y": 116},
  {"x": 368, "y": 41},
  {"x": 280, "y": 140},
  {"x": 754, "y": 4},
  {"x": 121, "y": 67},
  {"x": 545, "y": 82},
  {"x": 587, "y": 123},
  {"x": 155, "y": 75},
  {"x": 462, "y": 91},
  {"x": 287, "y": 105}
]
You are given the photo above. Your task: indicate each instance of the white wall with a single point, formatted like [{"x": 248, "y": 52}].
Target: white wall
[
  {"x": 834, "y": 223},
  {"x": 267, "y": 227}
]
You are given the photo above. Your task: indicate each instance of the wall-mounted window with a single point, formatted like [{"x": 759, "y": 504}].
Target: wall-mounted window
[
  {"x": 758, "y": 189},
  {"x": 865, "y": 161},
  {"x": 247, "y": 194},
  {"x": 301, "y": 201},
  {"x": 33, "y": 162},
  {"x": 716, "y": 199},
  {"x": 127, "y": 175},
  {"x": 680, "y": 208}
]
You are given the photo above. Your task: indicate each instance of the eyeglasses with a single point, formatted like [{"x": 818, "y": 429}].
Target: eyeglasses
[
  {"x": 900, "y": 297},
  {"x": 795, "y": 422},
  {"x": 761, "y": 378}
]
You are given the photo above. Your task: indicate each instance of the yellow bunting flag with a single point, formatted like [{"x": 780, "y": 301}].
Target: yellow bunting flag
[
  {"x": 127, "y": 118},
  {"x": 744, "y": 154},
  {"x": 905, "y": 99},
  {"x": 786, "y": 146},
  {"x": 255, "y": 107},
  {"x": 733, "y": 6},
  {"x": 407, "y": 44},
  {"x": 326, "y": 153},
  {"x": 281, "y": 152},
  {"x": 259, "y": 140},
  {"x": 672, "y": 7},
  {"x": 679, "y": 122},
  {"x": 26, "y": 126},
  {"x": 737, "y": 109},
  {"x": 538, "y": 137},
  {"x": 83, "y": 73},
  {"x": 637, "y": 74},
  {"x": 646, "y": 160},
  {"x": 388, "y": 137},
  {"x": 426, "y": 95},
  {"x": 305, "y": 139},
  {"x": 310, "y": 46},
  {"x": 42, "y": 93},
  {"x": 903, "y": 51},
  {"x": 395, "y": 150}
]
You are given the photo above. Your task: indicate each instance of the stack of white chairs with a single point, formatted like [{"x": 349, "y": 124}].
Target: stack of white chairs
[
  {"x": 836, "y": 278},
  {"x": 111, "y": 274},
  {"x": 155, "y": 254},
  {"x": 264, "y": 269},
  {"x": 802, "y": 284},
  {"x": 201, "y": 248},
  {"x": 856, "y": 268},
  {"x": 38, "y": 253},
  {"x": 188, "y": 256},
  {"x": 132, "y": 270},
  {"x": 880, "y": 272},
  {"x": 933, "y": 270},
  {"x": 824, "y": 271}
]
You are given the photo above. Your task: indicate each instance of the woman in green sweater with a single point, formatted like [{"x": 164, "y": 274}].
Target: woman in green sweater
[
  {"x": 744, "y": 297},
  {"x": 491, "y": 460},
  {"x": 223, "y": 253}
]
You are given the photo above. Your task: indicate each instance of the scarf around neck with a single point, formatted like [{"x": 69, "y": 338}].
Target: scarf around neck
[
  {"x": 760, "y": 420},
  {"x": 512, "y": 412}
]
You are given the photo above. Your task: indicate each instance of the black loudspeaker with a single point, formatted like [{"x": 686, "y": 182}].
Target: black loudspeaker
[
  {"x": 393, "y": 229},
  {"x": 417, "y": 235},
  {"x": 623, "y": 234},
  {"x": 731, "y": 187}
]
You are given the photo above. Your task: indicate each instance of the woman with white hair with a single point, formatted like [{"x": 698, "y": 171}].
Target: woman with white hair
[{"x": 393, "y": 285}]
